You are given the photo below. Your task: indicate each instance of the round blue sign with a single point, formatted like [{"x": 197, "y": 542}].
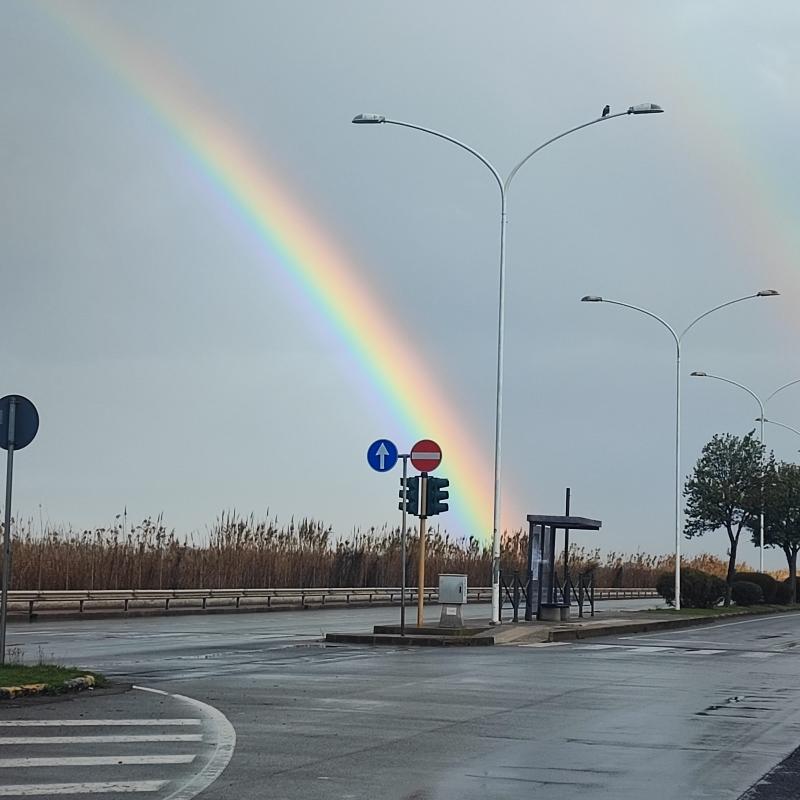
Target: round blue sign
[
  {"x": 25, "y": 419},
  {"x": 382, "y": 455}
]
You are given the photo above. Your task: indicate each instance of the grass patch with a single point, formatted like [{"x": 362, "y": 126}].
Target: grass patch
[{"x": 20, "y": 674}]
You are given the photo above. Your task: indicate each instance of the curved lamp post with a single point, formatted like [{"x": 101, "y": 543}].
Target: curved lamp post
[
  {"x": 503, "y": 186},
  {"x": 762, "y": 419},
  {"x": 678, "y": 339}
]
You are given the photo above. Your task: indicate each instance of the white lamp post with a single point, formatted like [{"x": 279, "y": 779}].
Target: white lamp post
[
  {"x": 762, "y": 419},
  {"x": 503, "y": 185},
  {"x": 678, "y": 338}
]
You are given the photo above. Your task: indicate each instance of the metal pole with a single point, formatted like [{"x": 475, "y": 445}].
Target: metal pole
[
  {"x": 12, "y": 413},
  {"x": 566, "y": 549},
  {"x": 423, "y": 491},
  {"x": 498, "y": 419},
  {"x": 761, "y": 521},
  {"x": 403, "y": 551},
  {"x": 678, "y": 477}
]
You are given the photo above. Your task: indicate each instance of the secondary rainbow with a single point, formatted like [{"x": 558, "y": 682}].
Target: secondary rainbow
[{"x": 325, "y": 274}]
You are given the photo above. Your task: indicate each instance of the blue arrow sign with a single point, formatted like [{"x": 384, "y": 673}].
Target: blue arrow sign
[{"x": 382, "y": 455}]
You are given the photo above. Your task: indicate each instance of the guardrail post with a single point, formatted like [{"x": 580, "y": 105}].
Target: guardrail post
[{"x": 30, "y": 611}]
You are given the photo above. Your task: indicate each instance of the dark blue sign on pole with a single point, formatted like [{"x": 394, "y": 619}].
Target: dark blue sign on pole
[
  {"x": 26, "y": 422},
  {"x": 382, "y": 455}
]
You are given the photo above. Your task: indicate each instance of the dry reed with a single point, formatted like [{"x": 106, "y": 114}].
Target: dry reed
[{"x": 247, "y": 552}]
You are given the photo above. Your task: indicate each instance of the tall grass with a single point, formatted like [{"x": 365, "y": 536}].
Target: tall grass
[{"x": 248, "y": 552}]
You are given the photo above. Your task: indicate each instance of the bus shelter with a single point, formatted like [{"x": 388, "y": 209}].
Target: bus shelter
[{"x": 547, "y": 596}]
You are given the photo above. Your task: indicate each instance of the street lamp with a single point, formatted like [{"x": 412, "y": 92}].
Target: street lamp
[
  {"x": 503, "y": 185},
  {"x": 678, "y": 338},
  {"x": 762, "y": 419}
]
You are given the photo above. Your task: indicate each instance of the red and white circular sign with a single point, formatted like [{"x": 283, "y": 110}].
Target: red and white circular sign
[{"x": 426, "y": 455}]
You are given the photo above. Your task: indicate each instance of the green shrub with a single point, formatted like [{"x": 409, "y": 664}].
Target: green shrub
[
  {"x": 746, "y": 593},
  {"x": 698, "y": 589},
  {"x": 767, "y": 583},
  {"x": 783, "y": 593}
]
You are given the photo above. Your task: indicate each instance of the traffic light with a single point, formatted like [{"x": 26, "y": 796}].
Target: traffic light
[
  {"x": 436, "y": 495},
  {"x": 412, "y": 495}
]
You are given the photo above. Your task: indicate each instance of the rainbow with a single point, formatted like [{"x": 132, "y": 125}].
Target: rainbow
[{"x": 326, "y": 277}]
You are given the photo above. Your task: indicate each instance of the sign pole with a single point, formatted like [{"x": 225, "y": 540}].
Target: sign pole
[
  {"x": 403, "y": 550},
  {"x": 423, "y": 500},
  {"x": 12, "y": 413}
]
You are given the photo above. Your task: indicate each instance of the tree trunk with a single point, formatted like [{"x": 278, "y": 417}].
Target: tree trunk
[
  {"x": 734, "y": 541},
  {"x": 791, "y": 557}
]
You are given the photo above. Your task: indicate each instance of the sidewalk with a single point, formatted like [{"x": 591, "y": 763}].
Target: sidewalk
[{"x": 481, "y": 633}]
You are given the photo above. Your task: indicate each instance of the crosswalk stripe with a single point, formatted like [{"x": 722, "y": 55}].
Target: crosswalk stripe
[
  {"x": 92, "y": 761},
  {"x": 600, "y": 646},
  {"x": 757, "y": 655},
  {"x": 111, "y": 739},
  {"x": 91, "y": 723},
  {"x": 105, "y": 787},
  {"x": 650, "y": 649}
]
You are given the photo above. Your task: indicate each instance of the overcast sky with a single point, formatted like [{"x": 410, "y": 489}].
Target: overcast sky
[{"x": 176, "y": 372}]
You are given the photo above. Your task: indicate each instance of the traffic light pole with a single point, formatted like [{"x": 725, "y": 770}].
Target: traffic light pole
[
  {"x": 405, "y": 458},
  {"x": 423, "y": 504}
]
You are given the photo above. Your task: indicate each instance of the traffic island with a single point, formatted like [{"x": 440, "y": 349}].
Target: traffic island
[
  {"x": 425, "y": 636},
  {"x": 18, "y": 680}
]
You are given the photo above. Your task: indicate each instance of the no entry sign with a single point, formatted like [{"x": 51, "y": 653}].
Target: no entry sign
[{"x": 426, "y": 455}]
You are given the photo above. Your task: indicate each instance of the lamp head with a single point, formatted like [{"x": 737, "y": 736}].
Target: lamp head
[
  {"x": 768, "y": 293},
  {"x": 591, "y": 298},
  {"x": 646, "y": 108},
  {"x": 368, "y": 119},
  {"x": 699, "y": 375}
]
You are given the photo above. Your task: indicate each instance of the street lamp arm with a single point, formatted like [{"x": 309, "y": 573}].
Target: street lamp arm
[
  {"x": 781, "y": 388},
  {"x": 649, "y": 314},
  {"x": 485, "y": 161},
  {"x": 740, "y": 385},
  {"x": 555, "y": 139},
  {"x": 779, "y": 424},
  {"x": 716, "y": 308}
]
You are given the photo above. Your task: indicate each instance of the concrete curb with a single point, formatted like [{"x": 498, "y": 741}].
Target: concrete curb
[
  {"x": 409, "y": 641},
  {"x": 571, "y": 634},
  {"x": 31, "y": 689}
]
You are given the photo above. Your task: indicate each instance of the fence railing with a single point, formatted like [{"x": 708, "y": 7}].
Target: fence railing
[{"x": 125, "y": 600}]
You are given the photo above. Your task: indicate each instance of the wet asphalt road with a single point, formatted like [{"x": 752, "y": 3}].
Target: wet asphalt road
[{"x": 700, "y": 713}]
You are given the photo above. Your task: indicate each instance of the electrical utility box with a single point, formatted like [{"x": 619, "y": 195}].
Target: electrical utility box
[
  {"x": 452, "y": 597},
  {"x": 452, "y": 589}
]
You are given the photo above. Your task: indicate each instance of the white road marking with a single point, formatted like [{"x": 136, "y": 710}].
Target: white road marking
[
  {"x": 544, "y": 644},
  {"x": 600, "y": 646},
  {"x": 111, "y": 739},
  {"x": 757, "y": 655},
  {"x": 223, "y": 748},
  {"x": 50, "y": 789},
  {"x": 703, "y": 652},
  {"x": 650, "y": 649},
  {"x": 93, "y": 761},
  {"x": 92, "y": 723}
]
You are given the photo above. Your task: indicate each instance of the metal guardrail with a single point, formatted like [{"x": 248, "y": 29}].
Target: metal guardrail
[{"x": 126, "y": 599}]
